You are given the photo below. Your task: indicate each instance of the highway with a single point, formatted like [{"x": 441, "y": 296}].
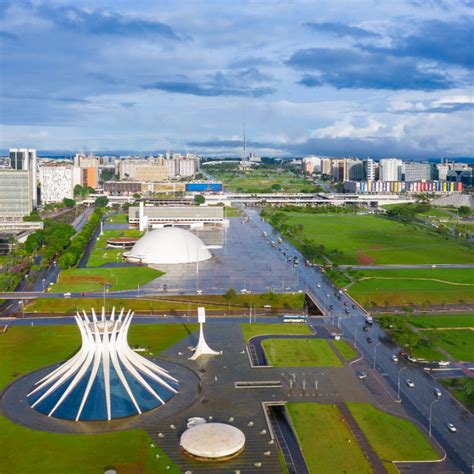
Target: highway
[{"x": 445, "y": 409}]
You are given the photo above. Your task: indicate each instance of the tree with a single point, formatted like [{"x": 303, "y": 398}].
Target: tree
[
  {"x": 230, "y": 294},
  {"x": 199, "y": 199},
  {"x": 69, "y": 202},
  {"x": 465, "y": 211},
  {"x": 33, "y": 217},
  {"x": 276, "y": 187},
  {"x": 101, "y": 201}
]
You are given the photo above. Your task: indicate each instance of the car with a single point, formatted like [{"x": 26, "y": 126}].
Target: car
[
  {"x": 443, "y": 363},
  {"x": 347, "y": 311},
  {"x": 362, "y": 375},
  {"x": 394, "y": 358},
  {"x": 199, "y": 292},
  {"x": 452, "y": 428},
  {"x": 83, "y": 293},
  {"x": 339, "y": 297},
  {"x": 331, "y": 306},
  {"x": 412, "y": 359},
  {"x": 370, "y": 340},
  {"x": 337, "y": 338},
  {"x": 366, "y": 328},
  {"x": 318, "y": 286},
  {"x": 346, "y": 303},
  {"x": 67, "y": 295},
  {"x": 437, "y": 392},
  {"x": 410, "y": 383},
  {"x": 328, "y": 295},
  {"x": 354, "y": 306}
]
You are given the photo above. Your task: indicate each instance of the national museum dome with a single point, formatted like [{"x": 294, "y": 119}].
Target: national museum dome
[{"x": 169, "y": 245}]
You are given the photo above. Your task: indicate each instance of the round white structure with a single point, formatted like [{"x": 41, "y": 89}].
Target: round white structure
[
  {"x": 212, "y": 441},
  {"x": 105, "y": 379},
  {"x": 170, "y": 245}
]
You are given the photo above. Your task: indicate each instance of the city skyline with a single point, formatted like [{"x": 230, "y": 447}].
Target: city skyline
[{"x": 325, "y": 79}]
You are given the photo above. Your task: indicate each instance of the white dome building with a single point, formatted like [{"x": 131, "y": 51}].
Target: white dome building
[{"x": 169, "y": 245}]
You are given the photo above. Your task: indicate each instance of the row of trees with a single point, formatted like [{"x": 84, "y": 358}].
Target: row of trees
[
  {"x": 50, "y": 241},
  {"x": 79, "y": 243}
]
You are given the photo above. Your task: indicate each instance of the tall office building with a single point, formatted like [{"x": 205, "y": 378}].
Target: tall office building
[
  {"x": 353, "y": 170},
  {"x": 15, "y": 194},
  {"x": 391, "y": 169},
  {"x": 25, "y": 159},
  {"x": 369, "y": 169},
  {"x": 417, "y": 171},
  {"x": 86, "y": 170}
]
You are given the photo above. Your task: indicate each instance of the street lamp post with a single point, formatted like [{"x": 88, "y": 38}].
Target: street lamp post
[
  {"x": 44, "y": 281},
  {"x": 431, "y": 406},
  {"x": 355, "y": 334},
  {"x": 375, "y": 352},
  {"x": 398, "y": 383}
]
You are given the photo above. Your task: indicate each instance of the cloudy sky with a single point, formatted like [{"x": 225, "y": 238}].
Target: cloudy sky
[{"x": 330, "y": 77}]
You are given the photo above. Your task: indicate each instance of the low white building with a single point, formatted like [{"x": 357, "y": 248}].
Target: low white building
[{"x": 57, "y": 183}]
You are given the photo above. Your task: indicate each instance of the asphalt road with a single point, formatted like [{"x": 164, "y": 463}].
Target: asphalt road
[{"x": 459, "y": 445}]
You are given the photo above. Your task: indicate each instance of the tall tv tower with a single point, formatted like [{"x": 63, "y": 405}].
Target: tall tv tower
[{"x": 244, "y": 157}]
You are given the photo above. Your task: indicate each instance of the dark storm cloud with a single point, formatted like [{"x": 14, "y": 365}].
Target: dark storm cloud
[
  {"x": 345, "y": 68},
  {"x": 435, "y": 40}
]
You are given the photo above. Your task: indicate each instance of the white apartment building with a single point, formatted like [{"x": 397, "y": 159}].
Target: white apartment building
[
  {"x": 390, "y": 169},
  {"x": 312, "y": 164},
  {"x": 57, "y": 183}
]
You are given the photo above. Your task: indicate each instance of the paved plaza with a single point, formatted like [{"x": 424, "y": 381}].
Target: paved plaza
[{"x": 244, "y": 260}]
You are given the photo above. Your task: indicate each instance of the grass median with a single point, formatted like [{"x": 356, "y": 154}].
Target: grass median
[
  {"x": 391, "y": 437},
  {"x": 261, "y": 329},
  {"x": 94, "y": 279},
  {"x": 182, "y": 303},
  {"x": 327, "y": 443},
  {"x": 300, "y": 353}
]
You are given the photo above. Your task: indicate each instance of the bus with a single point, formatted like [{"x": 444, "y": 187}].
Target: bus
[{"x": 295, "y": 318}]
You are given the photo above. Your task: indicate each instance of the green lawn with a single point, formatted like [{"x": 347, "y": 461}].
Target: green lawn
[
  {"x": 345, "y": 349},
  {"x": 458, "y": 343},
  {"x": 251, "y": 330},
  {"x": 232, "y": 212},
  {"x": 121, "y": 218},
  {"x": 391, "y": 437},
  {"x": 375, "y": 240},
  {"x": 447, "y": 320},
  {"x": 414, "y": 286},
  {"x": 261, "y": 181},
  {"x": 172, "y": 303},
  {"x": 327, "y": 443},
  {"x": 22, "y": 450},
  {"x": 300, "y": 353},
  {"x": 463, "y": 389},
  {"x": 93, "y": 279},
  {"x": 101, "y": 254}
]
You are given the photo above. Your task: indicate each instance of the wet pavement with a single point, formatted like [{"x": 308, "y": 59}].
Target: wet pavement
[{"x": 243, "y": 261}]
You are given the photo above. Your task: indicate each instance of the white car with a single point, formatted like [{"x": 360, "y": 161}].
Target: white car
[
  {"x": 452, "y": 428},
  {"x": 318, "y": 286},
  {"x": 437, "y": 392},
  {"x": 67, "y": 295},
  {"x": 199, "y": 292},
  {"x": 394, "y": 358},
  {"x": 410, "y": 383}
]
